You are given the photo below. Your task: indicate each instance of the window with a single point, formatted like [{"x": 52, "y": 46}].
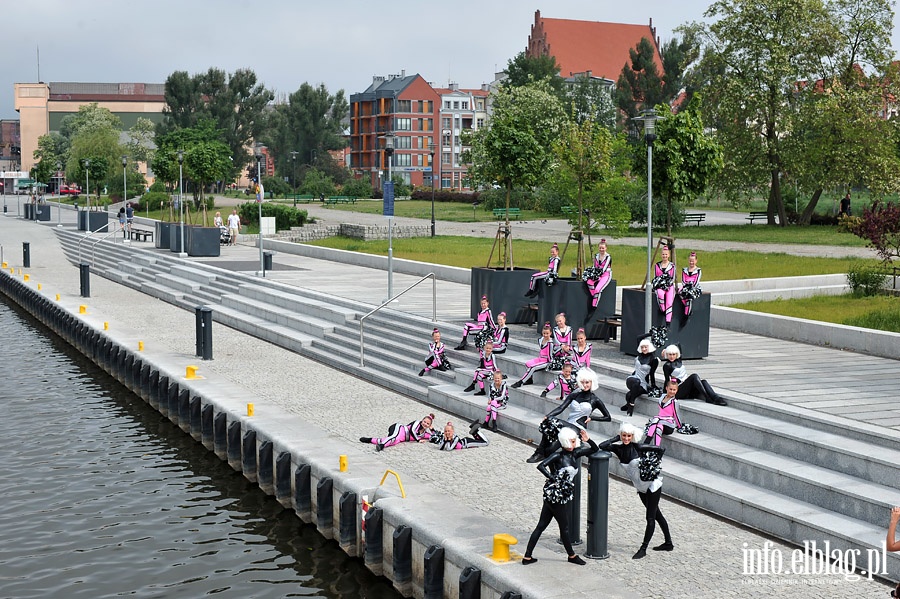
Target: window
[
  {"x": 445, "y": 181},
  {"x": 402, "y": 159},
  {"x": 465, "y": 105},
  {"x": 446, "y": 122},
  {"x": 479, "y": 104},
  {"x": 402, "y": 143},
  {"x": 445, "y": 139},
  {"x": 480, "y": 123},
  {"x": 455, "y": 104},
  {"x": 447, "y": 104},
  {"x": 445, "y": 158},
  {"x": 419, "y": 104},
  {"x": 404, "y": 105},
  {"x": 402, "y": 124}
]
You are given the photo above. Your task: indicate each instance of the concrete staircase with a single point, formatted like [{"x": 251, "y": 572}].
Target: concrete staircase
[{"x": 791, "y": 473}]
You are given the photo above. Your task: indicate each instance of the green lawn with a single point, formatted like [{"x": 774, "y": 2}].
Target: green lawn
[
  {"x": 877, "y": 312},
  {"x": 629, "y": 263}
]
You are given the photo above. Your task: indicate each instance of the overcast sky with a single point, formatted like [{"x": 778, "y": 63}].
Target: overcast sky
[{"x": 341, "y": 43}]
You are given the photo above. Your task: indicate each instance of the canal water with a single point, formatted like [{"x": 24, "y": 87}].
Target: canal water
[{"x": 103, "y": 497}]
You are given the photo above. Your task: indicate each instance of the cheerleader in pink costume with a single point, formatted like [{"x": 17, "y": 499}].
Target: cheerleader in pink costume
[
  {"x": 562, "y": 338},
  {"x": 599, "y": 275},
  {"x": 418, "y": 431},
  {"x": 565, "y": 381},
  {"x": 482, "y": 320},
  {"x": 581, "y": 353},
  {"x": 542, "y": 362},
  {"x": 664, "y": 283},
  {"x": 551, "y": 274},
  {"x": 449, "y": 441},
  {"x": 436, "y": 358},
  {"x": 497, "y": 400},
  {"x": 689, "y": 289},
  {"x": 486, "y": 366},
  {"x": 501, "y": 334},
  {"x": 667, "y": 420}
]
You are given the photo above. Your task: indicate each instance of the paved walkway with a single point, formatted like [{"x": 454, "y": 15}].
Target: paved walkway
[{"x": 709, "y": 560}]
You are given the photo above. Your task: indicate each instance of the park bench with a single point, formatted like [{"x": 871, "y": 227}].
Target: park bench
[
  {"x": 500, "y": 213},
  {"x": 757, "y": 215},
  {"x": 609, "y": 327},
  {"x": 695, "y": 217},
  {"x": 141, "y": 234},
  {"x": 300, "y": 197},
  {"x": 340, "y": 200}
]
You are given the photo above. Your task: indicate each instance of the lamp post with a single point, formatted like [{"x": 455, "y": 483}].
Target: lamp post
[
  {"x": 87, "y": 182},
  {"x": 259, "y": 193},
  {"x": 182, "y": 253},
  {"x": 432, "y": 187},
  {"x": 648, "y": 118},
  {"x": 294, "y": 175},
  {"x": 389, "y": 153},
  {"x": 58, "y": 192},
  {"x": 125, "y": 195}
]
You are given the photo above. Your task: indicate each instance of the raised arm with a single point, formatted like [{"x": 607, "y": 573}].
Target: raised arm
[{"x": 892, "y": 543}]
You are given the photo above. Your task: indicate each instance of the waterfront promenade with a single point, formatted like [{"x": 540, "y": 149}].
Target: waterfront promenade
[{"x": 708, "y": 560}]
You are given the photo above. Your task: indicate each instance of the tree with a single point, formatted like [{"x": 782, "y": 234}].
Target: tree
[
  {"x": 206, "y": 157},
  {"x": 523, "y": 70},
  {"x": 880, "y": 226},
  {"x": 590, "y": 100},
  {"x": 640, "y": 83},
  {"x": 139, "y": 145},
  {"x": 90, "y": 117},
  {"x": 52, "y": 150}
]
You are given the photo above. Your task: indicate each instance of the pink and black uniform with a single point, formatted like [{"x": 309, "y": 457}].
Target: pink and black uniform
[
  {"x": 690, "y": 288},
  {"x": 565, "y": 385},
  {"x": 444, "y": 444},
  {"x": 487, "y": 364},
  {"x": 498, "y": 398},
  {"x": 436, "y": 359},
  {"x": 501, "y": 338},
  {"x": 664, "y": 287},
  {"x": 598, "y": 276},
  {"x": 403, "y": 433},
  {"x": 665, "y": 422},
  {"x": 542, "y": 362},
  {"x": 484, "y": 319},
  {"x": 581, "y": 358},
  {"x": 562, "y": 339},
  {"x": 551, "y": 274}
]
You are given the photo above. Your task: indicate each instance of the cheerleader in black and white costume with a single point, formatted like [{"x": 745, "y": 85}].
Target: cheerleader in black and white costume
[
  {"x": 688, "y": 385},
  {"x": 664, "y": 283},
  {"x": 486, "y": 366},
  {"x": 551, "y": 274},
  {"x": 559, "y": 468},
  {"x": 448, "y": 441},
  {"x": 417, "y": 431},
  {"x": 581, "y": 351},
  {"x": 498, "y": 397},
  {"x": 643, "y": 379},
  {"x": 689, "y": 288},
  {"x": 598, "y": 276},
  {"x": 581, "y": 404},
  {"x": 436, "y": 359},
  {"x": 542, "y": 362},
  {"x": 565, "y": 381},
  {"x": 501, "y": 334},
  {"x": 629, "y": 452},
  {"x": 483, "y": 320}
]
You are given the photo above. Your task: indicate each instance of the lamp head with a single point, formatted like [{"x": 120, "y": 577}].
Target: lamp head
[
  {"x": 124, "y": 160},
  {"x": 180, "y": 156}
]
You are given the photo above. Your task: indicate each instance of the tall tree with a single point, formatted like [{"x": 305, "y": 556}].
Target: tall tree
[
  {"x": 590, "y": 100},
  {"x": 522, "y": 70},
  {"x": 640, "y": 83}
]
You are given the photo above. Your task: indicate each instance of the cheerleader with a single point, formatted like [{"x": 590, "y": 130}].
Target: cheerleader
[
  {"x": 689, "y": 288},
  {"x": 565, "y": 380},
  {"x": 562, "y": 337},
  {"x": 449, "y": 441},
  {"x": 667, "y": 420},
  {"x": 643, "y": 378},
  {"x": 497, "y": 400},
  {"x": 581, "y": 404},
  {"x": 559, "y": 489},
  {"x": 598, "y": 276},
  {"x": 501, "y": 334},
  {"x": 486, "y": 366},
  {"x": 664, "y": 283},
  {"x": 688, "y": 385},
  {"x": 551, "y": 274},
  {"x": 542, "y": 362},
  {"x": 629, "y": 453},
  {"x": 418, "y": 431},
  {"x": 581, "y": 353},
  {"x": 436, "y": 358},
  {"x": 484, "y": 320}
]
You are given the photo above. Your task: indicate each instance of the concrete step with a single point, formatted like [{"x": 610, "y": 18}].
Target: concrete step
[
  {"x": 325, "y": 310},
  {"x": 281, "y": 316}
]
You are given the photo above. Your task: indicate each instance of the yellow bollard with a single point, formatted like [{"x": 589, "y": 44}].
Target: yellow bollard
[
  {"x": 502, "y": 542},
  {"x": 5, "y": 265},
  {"x": 249, "y": 409},
  {"x": 57, "y": 297},
  {"x": 39, "y": 286},
  {"x": 82, "y": 309},
  {"x": 191, "y": 372},
  {"x": 105, "y": 325},
  {"x": 26, "y": 277},
  {"x": 342, "y": 463},
  {"x": 140, "y": 346},
  {"x": 20, "y": 271}
]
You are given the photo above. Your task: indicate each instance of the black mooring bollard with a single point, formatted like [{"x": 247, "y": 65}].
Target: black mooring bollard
[
  {"x": 204, "y": 332},
  {"x": 433, "y": 585},
  {"x": 26, "y": 254},
  {"x": 470, "y": 583},
  {"x": 84, "y": 270},
  {"x": 574, "y": 509},
  {"x": 598, "y": 505}
]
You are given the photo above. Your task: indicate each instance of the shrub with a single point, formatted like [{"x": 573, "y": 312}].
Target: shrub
[
  {"x": 358, "y": 188},
  {"x": 440, "y": 195},
  {"x": 276, "y": 185},
  {"x": 865, "y": 280},
  {"x": 158, "y": 186},
  {"x": 155, "y": 199},
  {"x": 285, "y": 216}
]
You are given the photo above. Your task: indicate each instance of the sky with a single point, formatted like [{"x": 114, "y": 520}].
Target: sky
[{"x": 341, "y": 44}]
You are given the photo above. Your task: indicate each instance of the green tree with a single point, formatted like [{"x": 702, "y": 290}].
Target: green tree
[
  {"x": 140, "y": 145},
  {"x": 640, "y": 84},
  {"x": 90, "y": 117},
  {"x": 206, "y": 158},
  {"x": 590, "y": 100},
  {"x": 522, "y": 70}
]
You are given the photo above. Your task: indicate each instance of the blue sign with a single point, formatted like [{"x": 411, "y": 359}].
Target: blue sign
[{"x": 388, "y": 198}]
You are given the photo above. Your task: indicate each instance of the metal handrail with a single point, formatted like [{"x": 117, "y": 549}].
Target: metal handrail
[
  {"x": 104, "y": 238},
  {"x": 362, "y": 321},
  {"x": 89, "y": 236}
]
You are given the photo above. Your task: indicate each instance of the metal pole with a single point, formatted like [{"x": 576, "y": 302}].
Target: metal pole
[
  {"x": 259, "y": 193},
  {"x": 598, "y": 505},
  {"x": 648, "y": 293},
  {"x": 432, "y": 193},
  {"x": 59, "y": 196},
  {"x": 182, "y": 253},
  {"x": 124, "y": 197},
  {"x": 87, "y": 182},
  {"x": 390, "y": 239}
]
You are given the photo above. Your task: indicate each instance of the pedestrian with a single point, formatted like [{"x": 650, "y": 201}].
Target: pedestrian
[
  {"x": 122, "y": 222},
  {"x": 559, "y": 469},
  {"x": 845, "y": 206},
  {"x": 129, "y": 217},
  {"x": 234, "y": 226}
]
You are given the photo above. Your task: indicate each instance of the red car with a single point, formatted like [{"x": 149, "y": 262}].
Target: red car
[{"x": 69, "y": 190}]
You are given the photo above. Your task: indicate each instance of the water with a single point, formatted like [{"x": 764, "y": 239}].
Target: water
[{"x": 103, "y": 497}]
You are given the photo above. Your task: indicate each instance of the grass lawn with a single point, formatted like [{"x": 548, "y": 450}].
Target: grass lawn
[
  {"x": 629, "y": 263},
  {"x": 879, "y": 312}
]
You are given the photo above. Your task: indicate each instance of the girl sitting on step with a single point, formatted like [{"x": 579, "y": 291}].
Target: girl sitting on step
[
  {"x": 484, "y": 319},
  {"x": 498, "y": 397},
  {"x": 486, "y": 366},
  {"x": 542, "y": 362},
  {"x": 436, "y": 359}
]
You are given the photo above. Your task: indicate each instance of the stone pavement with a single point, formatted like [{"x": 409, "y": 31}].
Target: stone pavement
[{"x": 709, "y": 560}]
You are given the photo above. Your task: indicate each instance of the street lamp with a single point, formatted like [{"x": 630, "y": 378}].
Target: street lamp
[
  {"x": 389, "y": 153},
  {"x": 648, "y": 118},
  {"x": 294, "y": 175},
  {"x": 58, "y": 192},
  {"x": 431, "y": 147},
  {"x": 87, "y": 182},
  {"x": 182, "y": 253},
  {"x": 125, "y": 195},
  {"x": 259, "y": 193}
]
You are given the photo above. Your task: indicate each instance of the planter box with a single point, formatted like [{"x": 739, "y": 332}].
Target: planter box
[
  {"x": 175, "y": 236},
  {"x": 570, "y": 295},
  {"x": 89, "y": 220},
  {"x": 202, "y": 241},
  {"x": 29, "y": 211},
  {"x": 506, "y": 291},
  {"x": 693, "y": 333},
  {"x": 42, "y": 213},
  {"x": 161, "y": 235}
]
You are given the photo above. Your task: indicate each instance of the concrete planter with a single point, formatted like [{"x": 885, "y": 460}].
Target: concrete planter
[
  {"x": 161, "y": 236},
  {"x": 570, "y": 295},
  {"x": 42, "y": 213},
  {"x": 691, "y": 333},
  {"x": 505, "y": 289},
  {"x": 202, "y": 241},
  {"x": 89, "y": 220},
  {"x": 175, "y": 237}
]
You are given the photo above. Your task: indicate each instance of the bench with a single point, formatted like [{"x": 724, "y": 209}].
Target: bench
[
  {"x": 532, "y": 314},
  {"x": 569, "y": 210},
  {"x": 695, "y": 217},
  {"x": 609, "y": 327},
  {"x": 298, "y": 197},
  {"x": 757, "y": 215},
  {"x": 339, "y": 200},
  {"x": 500, "y": 213},
  {"x": 141, "y": 234}
]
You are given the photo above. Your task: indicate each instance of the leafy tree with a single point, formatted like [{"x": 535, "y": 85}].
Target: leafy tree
[
  {"x": 640, "y": 83},
  {"x": 590, "y": 100},
  {"x": 90, "y": 117},
  {"x": 358, "y": 188},
  {"x": 206, "y": 158},
  {"x": 140, "y": 146},
  {"x": 880, "y": 226},
  {"x": 317, "y": 183},
  {"x": 523, "y": 70}
]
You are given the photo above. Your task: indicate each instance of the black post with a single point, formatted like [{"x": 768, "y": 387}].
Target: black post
[
  {"x": 598, "y": 505},
  {"x": 85, "y": 277},
  {"x": 574, "y": 509},
  {"x": 203, "y": 332},
  {"x": 433, "y": 584},
  {"x": 26, "y": 254}
]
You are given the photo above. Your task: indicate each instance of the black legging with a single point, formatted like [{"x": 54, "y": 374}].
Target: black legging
[
  {"x": 559, "y": 512},
  {"x": 695, "y": 387},
  {"x": 650, "y": 499}
]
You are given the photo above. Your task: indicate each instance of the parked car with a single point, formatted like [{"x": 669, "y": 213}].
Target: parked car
[{"x": 69, "y": 190}]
